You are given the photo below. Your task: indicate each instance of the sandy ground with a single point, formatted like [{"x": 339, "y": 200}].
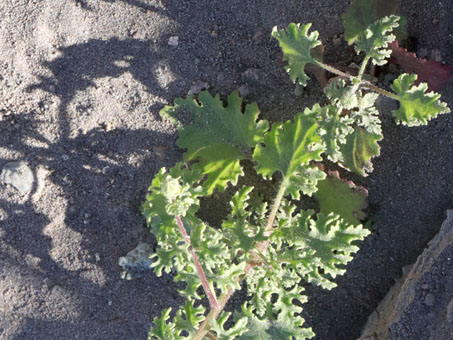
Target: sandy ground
[{"x": 81, "y": 85}]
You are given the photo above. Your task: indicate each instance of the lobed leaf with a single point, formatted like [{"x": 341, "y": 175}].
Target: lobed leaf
[
  {"x": 218, "y": 136},
  {"x": 218, "y": 326},
  {"x": 319, "y": 249},
  {"x": 297, "y": 46},
  {"x": 363, "y": 13},
  {"x": 375, "y": 39},
  {"x": 289, "y": 148},
  {"x": 358, "y": 150},
  {"x": 341, "y": 197},
  {"x": 416, "y": 106}
]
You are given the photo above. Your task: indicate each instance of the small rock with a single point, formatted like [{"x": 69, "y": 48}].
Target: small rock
[
  {"x": 52, "y": 88},
  {"x": 160, "y": 150},
  {"x": 19, "y": 175},
  {"x": 65, "y": 157},
  {"x": 173, "y": 41},
  {"x": 243, "y": 90},
  {"x": 425, "y": 286},
  {"x": 253, "y": 77},
  {"x": 422, "y": 52},
  {"x": 136, "y": 262},
  {"x": 450, "y": 312},
  {"x": 429, "y": 299},
  {"x": 298, "y": 90},
  {"x": 105, "y": 169},
  {"x": 435, "y": 55},
  {"x": 337, "y": 42},
  {"x": 197, "y": 87}
]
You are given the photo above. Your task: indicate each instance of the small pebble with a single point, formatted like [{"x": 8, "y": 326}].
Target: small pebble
[
  {"x": 298, "y": 90},
  {"x": 173, "y": 41},
  {"x": 337, "y": 42},
  {"x": 429, "y": 299},
  {"x": 435, "y": 55},
  {"x": 425, "y": 286},
  {"x": 450, "y": 312},
  {"x": 65, "y": 157},
  {"x": 243, "y": 90},
  {"x": 422, "y": 52},
  {"x": 52, "y": 88}
]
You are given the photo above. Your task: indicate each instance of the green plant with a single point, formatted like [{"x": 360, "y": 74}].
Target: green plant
[{"x": 270, "y": 246}]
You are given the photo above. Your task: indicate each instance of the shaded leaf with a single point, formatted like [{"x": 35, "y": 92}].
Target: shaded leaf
[
  {"x": 417, "y": 106},
  {"x": 435, "y": 73},
  {"x": 363, "y": 13},
  {"x": 341, "y": 197},
  {"x": 218, "y": 326},
  {"x": 289, "y": 148},
  {"x": 358, "y": 150},
  {"x": 297, "y": 46},
  {"x": 375, "y": 39}
]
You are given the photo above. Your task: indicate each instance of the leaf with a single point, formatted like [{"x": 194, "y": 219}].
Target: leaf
[
  {"x": 232, "y": 332},
  {"x": 333, "y": 128},
  {"x": 433, "y": 72},
  {"x": 341, "y": 197},
  {"x": 416, "y": 106},
  {"x": 363, "y": 13},
  {"x": 217, "y": 130},
  {"x": 190, "y": 319},
  {"x": 375, "y": 39},
  {"x": 297, "y": 46},
  {"x": 342, "y": 95},
  {"x": 289, "y": 148},
  {"x": 358, "y": 150},
  {"x": 319, "y": 249},
  {"x": 162, "y": 329}
]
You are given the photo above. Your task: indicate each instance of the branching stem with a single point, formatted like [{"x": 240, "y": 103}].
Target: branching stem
[{"x": 204, "y": 282}]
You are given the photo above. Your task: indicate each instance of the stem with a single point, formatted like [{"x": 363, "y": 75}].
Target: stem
[
  {"x": 380, "y": 91},
  {"x": 261, "y": 248},
  {"x": 333, "y": 70},
  {"x": 204, "y": 282},
  {"x": 363, "y": 67}
]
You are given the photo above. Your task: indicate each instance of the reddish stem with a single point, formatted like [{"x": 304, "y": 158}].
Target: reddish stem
[{"x": 204, "y": 282}]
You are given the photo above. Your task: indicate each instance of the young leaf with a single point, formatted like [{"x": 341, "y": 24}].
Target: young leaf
[
  {"x": 432, "y": 72},
  {"x": 297, "y": 46},
  {"x": 320, "y": 248},
  {"x": 289, "y": 148},
  {"x": 232, "y": 332},
  {"x": 215, "y": 127},
  {"x": 358, "y": 150},
  {"x": 416, "y": 106},
  {"x": 333, "y": 128},
  {"x": 363, "y": 13},
  {"x": 163, "y": 330},
  {"x": 341, "y": 197},
  {"x": 375, "y": 39},
  {"x": 190, "y": 319}
]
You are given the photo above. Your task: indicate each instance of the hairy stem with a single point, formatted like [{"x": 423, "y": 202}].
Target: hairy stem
[
  {"x": 380, "y": 91},
  {"x": 261, "y": 248},
  {"x": 204, "y": 282},
  {"x": 363, "y": 67},
  {"x": 333, "y": 70}
]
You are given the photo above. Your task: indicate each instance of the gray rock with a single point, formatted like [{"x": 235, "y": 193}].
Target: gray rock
[
  {"x": 408, "y": 312},
  {"x": 137, "y": 262},
  {"x": 19, "y": 175}
]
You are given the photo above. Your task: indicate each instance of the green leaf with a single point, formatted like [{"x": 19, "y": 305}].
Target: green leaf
[
  {"x": 367, "y": 116},
  {"x": 217, "y": 130},
  {"x": 375, "y": 39},
  {"x": 363, "y": 13},
  {"x": 341, "y": 197},
  {"x": 342, "y": 95},
  {"x": 358, "y": 150},
  {"x": 319, "y": 249},
  {"x": 232, "y": 332},
  {"x": 333, "y": 128},
  {"x": 297, "y": 46},
  {"x": 162, "y": 330},
  {"x": 416, "y": 106},
  {"x": 189, "y": 319},
  {"x": 282, "y": 328},
  {"x": 289, "y": 148}
]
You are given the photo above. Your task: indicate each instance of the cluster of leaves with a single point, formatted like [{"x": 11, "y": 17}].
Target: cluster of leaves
[{"x": 271, "y": 247}]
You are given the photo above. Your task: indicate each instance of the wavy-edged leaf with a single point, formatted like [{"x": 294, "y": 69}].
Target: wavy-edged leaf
[
  {"x": 333, "y": 128},
  {"x": 341, "y": 197},
  {"x": 435, "y": 73},
  {"x": 358, "y": 150},
  {"x": 363, "y": 13},
  {"x": 240, "y": 232},
  {"x": 375, "y": 39},
  {"x": 218, "y": 326},
  {"x": 216, "y": 127},
  {"x": 342, "y": 95},
  {"x": 189, "y": 318},
  {"x": 320, "y": 248},
  {"x": 297, "y": 45},
  {"x": 289, "y": 148},
  {"x": 417, "y": 106}
]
